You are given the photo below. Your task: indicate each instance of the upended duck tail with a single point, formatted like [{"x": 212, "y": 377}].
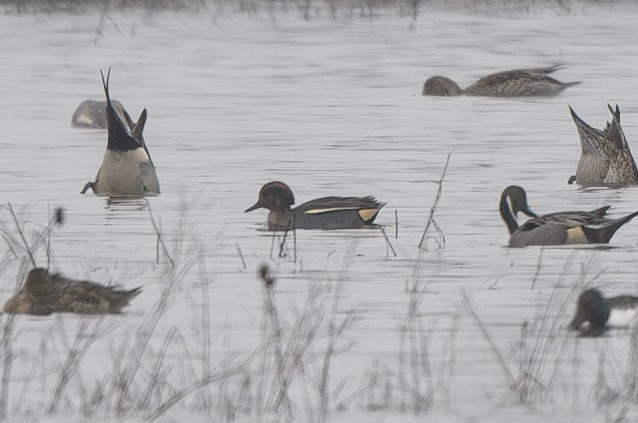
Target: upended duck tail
[{"x": 602, "y": 233}]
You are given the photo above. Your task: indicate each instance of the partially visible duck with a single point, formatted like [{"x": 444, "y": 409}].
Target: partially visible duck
[
  {"x": 574, "y": 227},
  {"x": 595, "y": 314},
  {"x": 44, "y": 293},
  {"x": 127, "y": 169},
  {"x": 92, "y": 114},
  {"x": 605, "y": 156},
  {"x": 322, "y": 213},
  {"x": 513, "y": 83}
]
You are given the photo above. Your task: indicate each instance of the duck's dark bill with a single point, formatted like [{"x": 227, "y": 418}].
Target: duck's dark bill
[{"x": 256, "y": 206}]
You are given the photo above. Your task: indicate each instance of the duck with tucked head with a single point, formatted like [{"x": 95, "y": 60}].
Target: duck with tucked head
[
  {"x": 605, "y": 158},
  {"x": 44, "y": 293},
  {"x": 573, "y": 227},
  {"x": 595, "y": 314},
  {"x": 127, "y": 169},
  {"x": 322, "y": 213},
  {"x": 513, "y": 83},
  {"x": 92, "y": 114}
]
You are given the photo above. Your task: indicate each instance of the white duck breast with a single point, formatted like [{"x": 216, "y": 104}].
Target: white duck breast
[
  {"x": 126, "y": 173},
  {"x": 127, "y": 169},
  {"x": 622, "y": 317}
]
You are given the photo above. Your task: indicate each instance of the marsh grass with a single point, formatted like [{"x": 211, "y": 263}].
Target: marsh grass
[
  {"x": 298, "y": 351},
  {"x": 153, "y": 367},
  {"x": 304, "y": 9},
  {"x": 616, "y": 386},
  {"x": 150, "y": 371},
  {"x": 541, "y": 353}
]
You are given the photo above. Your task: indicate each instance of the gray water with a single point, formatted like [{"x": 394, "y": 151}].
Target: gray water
[{"x": 331, "y": 108}]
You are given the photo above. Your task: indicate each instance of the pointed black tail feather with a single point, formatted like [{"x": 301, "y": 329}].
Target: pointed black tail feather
[
  {"x": 122, "y": 299},
  {"x": 602, "y": 234}
]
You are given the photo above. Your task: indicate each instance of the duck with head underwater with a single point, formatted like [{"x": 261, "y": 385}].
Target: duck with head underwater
[
  {"x": 512, "y": 83},
  {"x": 92, "y": 114},
  {"x": 321, "y": 213},
  {"x": 127, "y": 169},
  {"x": 595, "y": 314},
  {"x": 605, "y": 158}
]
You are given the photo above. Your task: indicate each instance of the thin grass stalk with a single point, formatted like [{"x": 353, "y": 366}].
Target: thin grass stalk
[
  {"x": 158, "y": 233},
  {"x": 563, "y": 347},
  {"x": 508, "y": 374},
  {"x": 533, "y": 363},
  {"x": 424, "y": 362},
  {"x": 282, "y": 246},
  {"x": 539, "y": 265},
  {"x": 40, "y": 356},
  {"x": 412, "y": 343},
  {"x": 334, "y": 331},
  {"x": 387, "y": 241},
  {"x": 81, "y": 344},
  {"x": 156, "y": 371},
  {"x": 21, "y": 233},
  {"x": 402, "y": 367},
  {"x": 279, "y": 395},
  {"x": 226, "y": 372},
  {"x": 206, "y": 354},
  {"x": 548, "y": 329},
  {"x": 49, "y": 242},
  {"x": 6, "y": 351},
  {"x": 631, "y": 374},
  {"x": 436, "y": 201},
  {"x": 448, "y": 366},
  {"x": 7, "y": 363},
  {"x": 144, "y": 334},
  {"x": 241, "y": 257}
]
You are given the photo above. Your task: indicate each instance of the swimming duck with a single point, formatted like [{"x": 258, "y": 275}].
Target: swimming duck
[
  {"x": 605, "y": 157},
  {"x": 127, "y": 169},
  {"x": 44, "y": 293},
  {"x": 513, "y": 83},
  {"x": 595, "y": 314},
  {"x": 574, "y": 227},
  {"x": 322, "y": 213},
  {"x": 92, "y": 114}
]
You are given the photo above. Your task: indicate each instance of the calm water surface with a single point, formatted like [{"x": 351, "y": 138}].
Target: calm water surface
[{"x": 331, "y": 108}]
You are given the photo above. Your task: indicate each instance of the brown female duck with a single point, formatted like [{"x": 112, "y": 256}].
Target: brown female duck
[
  {"x": 92, "y": 114},
  {"x": 605, "y": 158},
  {"x": 44, "y": 293},
  {"x": 513, "y": 83}
]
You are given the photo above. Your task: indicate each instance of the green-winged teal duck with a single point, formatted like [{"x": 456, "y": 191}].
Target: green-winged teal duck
[
  {"x": 44, "y": 293},
  {"x": 595, "y": 313},
  {"x": 561, "y": 228},
  {"x": 322, "y": 213},
  {"x": 92, "y": 114},
  {"x": 127, "y": 169},
  {"x": 605, "y": 158},
  {"x": 513, "y": 83}
]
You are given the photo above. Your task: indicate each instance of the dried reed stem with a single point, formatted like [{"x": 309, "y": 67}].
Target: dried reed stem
[
  {"x": 24, "y": 240},
  {"x": 468, "y": 302},
  {"x": 430, "y": 220}
]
